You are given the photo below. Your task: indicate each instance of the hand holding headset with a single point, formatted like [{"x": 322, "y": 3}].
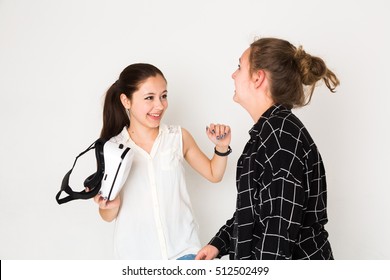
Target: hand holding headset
[{"x": 113, "y": 166}]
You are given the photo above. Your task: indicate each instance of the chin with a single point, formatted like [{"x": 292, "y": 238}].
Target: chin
[
  {"x": 155, "y": 125},
  {"x": 235, "y": 98}
]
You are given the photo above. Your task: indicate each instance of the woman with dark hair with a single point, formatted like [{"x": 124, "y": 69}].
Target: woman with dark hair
[
  {"x": 153, "y": 211},
  {"x": 281, "y": 202}
]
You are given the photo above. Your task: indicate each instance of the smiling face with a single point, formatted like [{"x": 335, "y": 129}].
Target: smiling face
[{"x": 149, "y": 102}]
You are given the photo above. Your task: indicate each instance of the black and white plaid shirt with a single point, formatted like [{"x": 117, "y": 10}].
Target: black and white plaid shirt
[{"x": 281, "y": 201}]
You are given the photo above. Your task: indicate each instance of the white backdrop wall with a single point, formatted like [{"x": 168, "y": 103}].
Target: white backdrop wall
[{"x": 57, "y": 58}]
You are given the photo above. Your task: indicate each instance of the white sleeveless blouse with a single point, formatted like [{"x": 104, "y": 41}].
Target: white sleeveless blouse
[{"x": 155, "y": 220}]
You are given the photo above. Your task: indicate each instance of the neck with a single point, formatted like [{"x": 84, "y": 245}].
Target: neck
[
  {"x": 143, "y": 137},
  {"x": 259, "y": 108},
  {"x": 143, "y": 133},
  {"x": 262, "y": 100}
]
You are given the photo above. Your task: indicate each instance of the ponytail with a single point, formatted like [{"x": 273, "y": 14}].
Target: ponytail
[
  {"x": 114, "y": 113},
  {"x": 313, "y": 69}
]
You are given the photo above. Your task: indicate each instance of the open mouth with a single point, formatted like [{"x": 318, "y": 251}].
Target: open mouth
[{"x": 155, "y": 116}]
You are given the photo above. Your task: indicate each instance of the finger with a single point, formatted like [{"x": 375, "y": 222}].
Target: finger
[
  {"x": 103, "y": 203},
  {"x": 200, "y": 256},
  {"x": 222, "y": 131},
  {"x": 212, "y": 133},
  {"x": 218, "y": 131},
  {"x": 212, "y": 128},
  {"x": 209, "y": 131},
  {"x": 226, "y": 130},
  {"x": 96, "y": 198}
]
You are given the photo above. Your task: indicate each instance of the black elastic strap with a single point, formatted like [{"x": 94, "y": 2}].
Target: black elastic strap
[{"x": 72, "y": 195}]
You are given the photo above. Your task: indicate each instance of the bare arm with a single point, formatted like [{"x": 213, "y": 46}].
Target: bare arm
[{"x": 212, "y": 169}]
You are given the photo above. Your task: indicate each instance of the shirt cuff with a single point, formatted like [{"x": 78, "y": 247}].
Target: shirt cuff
[{"x": 220, "y": 245}]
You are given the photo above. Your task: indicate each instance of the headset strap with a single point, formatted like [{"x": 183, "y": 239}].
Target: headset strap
[{"x": 72, "y": 195}]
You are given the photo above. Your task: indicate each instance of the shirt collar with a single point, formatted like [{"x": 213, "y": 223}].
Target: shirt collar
[
  {"x": 271, "y": 111},
  {"x": 126, "y": 137}
]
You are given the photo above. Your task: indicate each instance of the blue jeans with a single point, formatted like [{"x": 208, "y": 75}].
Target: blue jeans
[{"x": 187, "y": 257}]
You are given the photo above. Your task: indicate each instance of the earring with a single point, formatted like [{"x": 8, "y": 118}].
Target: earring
[{"x": 128, "y": 113}]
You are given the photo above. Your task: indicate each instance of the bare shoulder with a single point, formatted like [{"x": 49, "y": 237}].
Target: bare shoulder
[
  {"x": 185, "y": 132},
  {"x": 187, "y": 137},
  {"x": 188, "y": 140}
]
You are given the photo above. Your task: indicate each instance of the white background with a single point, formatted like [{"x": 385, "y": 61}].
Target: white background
[{"x": 57, "y": 59}]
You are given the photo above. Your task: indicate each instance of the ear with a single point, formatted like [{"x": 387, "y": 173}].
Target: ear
[
  {"x": 258, "y": 78},
  {"x": 125, "y": 101}
]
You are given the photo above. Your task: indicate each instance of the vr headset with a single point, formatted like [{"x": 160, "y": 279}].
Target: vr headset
[{"x": 113, "y": 166}]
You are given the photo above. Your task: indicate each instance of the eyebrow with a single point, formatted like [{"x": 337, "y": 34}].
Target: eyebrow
[{"x": 153, "y": 93}]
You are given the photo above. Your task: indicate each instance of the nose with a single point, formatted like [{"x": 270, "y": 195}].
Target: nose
[
  {"x": 234, "y": 75},
  {"x": 158, "y": 103}
]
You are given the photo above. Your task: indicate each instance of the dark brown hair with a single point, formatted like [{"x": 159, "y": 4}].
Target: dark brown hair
[
  {"x": 114, "y": 113},
  {"x": 290, "y": 68}
]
